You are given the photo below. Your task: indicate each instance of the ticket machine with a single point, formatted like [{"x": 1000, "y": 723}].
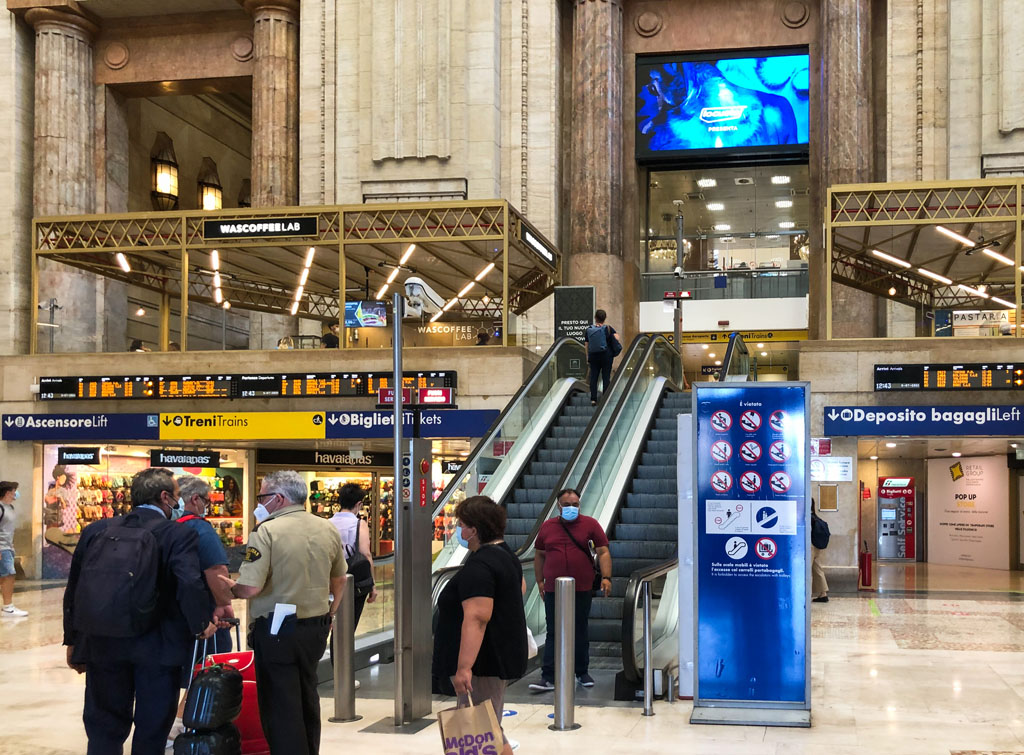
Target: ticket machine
[{"x": 896, "y": 519}]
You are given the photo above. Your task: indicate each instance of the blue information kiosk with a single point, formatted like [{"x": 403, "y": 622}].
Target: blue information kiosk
[{"x": 752, "y": 546}]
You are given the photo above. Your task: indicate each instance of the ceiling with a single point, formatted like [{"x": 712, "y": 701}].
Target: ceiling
[
  {"x": 771, "y": 357},
  {"x": 138, "y": 8},
  {"x": 747, "y": 197},
  {"x": 933, "y": 448}
]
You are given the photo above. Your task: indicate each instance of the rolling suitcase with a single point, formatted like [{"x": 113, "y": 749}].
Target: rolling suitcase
[
  {"x": 248, "y": 723},
  {"x": 222, "y": 741}
]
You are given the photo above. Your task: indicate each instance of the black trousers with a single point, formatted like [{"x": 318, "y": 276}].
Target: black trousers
[
  {"x": 600, "y": 366},
  {"x": 120, "y": 694},
  {"x": 582, "y": 659},
  {"x": 286, "y": 683}
]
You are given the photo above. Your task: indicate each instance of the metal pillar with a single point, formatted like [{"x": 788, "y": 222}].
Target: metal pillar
[
  {"x": 343, "y": 639},
  {"x": 565, "y": 654},
  {"x": 648, "y": 653}
]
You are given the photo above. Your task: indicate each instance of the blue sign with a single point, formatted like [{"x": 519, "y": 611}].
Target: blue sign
[
  {"x": 433, "y": 423},
  {"x": 66, "y": 427},
  {"x": 924, "y": 420},
  {"x": 456, "y": 423},
  {"x": 727, "y": 103},
  {"x": 752, "y": 449}
]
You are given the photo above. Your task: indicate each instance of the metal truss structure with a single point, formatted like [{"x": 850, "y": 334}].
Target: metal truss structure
[{"x": 486, "y": 249}]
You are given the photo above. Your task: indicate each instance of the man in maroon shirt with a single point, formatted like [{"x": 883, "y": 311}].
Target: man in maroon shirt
[{"x": 563, "y": 550}]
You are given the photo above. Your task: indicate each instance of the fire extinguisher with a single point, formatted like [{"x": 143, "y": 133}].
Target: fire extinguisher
[{"x": 865, "y": 568}]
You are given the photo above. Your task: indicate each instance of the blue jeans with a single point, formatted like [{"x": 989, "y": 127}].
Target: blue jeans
[
  {"x": 583, "y": 601},
  {"x": 7, "y": 563}
]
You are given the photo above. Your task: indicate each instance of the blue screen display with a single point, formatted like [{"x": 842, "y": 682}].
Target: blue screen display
[
  {"x": 724, "y": 104},
  {"x": 366, "y": 314}
]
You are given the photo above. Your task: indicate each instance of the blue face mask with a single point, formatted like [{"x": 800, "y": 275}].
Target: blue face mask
[
  {"x": 178, "y": 511},
  {"x": 570, "y": 513},
  {"x": 459, "y": 538},
  {"x": 17, "y": 494}
]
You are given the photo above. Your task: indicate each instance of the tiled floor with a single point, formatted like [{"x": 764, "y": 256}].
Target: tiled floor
[{"x": 903, "y": 673}]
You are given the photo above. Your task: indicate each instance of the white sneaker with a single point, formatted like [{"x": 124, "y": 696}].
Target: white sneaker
[
  {"x": 514, "y": 744},
  {"x": 9, "y": 612}
]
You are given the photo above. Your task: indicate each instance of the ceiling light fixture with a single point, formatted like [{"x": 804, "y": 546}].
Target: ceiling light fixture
[
  {"x": 304, "y": 277},
  {"x": 784, "y": 204},
  {"x": 217, "y": 295},
  {"x": 707, "y": 183},
  {"x": 123, "y": 262},
  {"x": 140, "y": 312},
  {"x": 295, "y": 307},
  {"x": 407, "y": 255},
  {"x": 216, "y": 279},
  {"x": 787, "y": 224},
  {"x": 483, "y": 273},
  {"x": 705, "y": 346},
  {"x": 781, "y": 180},
  {"x": 956, "y": 454},
  {"x": 392, "y": 276},
  {"x": 1005, "y": 303},
  {"x": 227, "y": 304},
  {"x": 954, "y": 235},
  {"x": 309, "y": 256},
  {"x": 380, "y": 293},
  {"x": 997, "y": 256},
  {"x": 718, "y": 363},
  {"x": 715, "y": 206},
  {"x": 711, "y": 355},
  {"x": 215, "y": 259},
  {"x": 465, "y": 290},
  {"x": 976, "y": 291},
  {"x": 722, "y": 227},
  {"x": 772, "y": 237},
  {"x": 873, "y": 458},
  {"x": 298, "y": 293},
  {"x": 889, "y": 258},
  {"x": 760, "y": 346},
  {"x": 764, "y": 353},
  {"x": 934, "y": 276},
  {"x": 890, "y": 445},
  {"x": 437, "y": 315}
]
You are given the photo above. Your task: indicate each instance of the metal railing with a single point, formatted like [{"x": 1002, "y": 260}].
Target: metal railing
[
  {"x": 736, "y": 364},
  {"x": 755, "y": 283},
  {"x": 650, "y": 643}
]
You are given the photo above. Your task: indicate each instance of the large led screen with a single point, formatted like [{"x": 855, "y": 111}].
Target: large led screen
[
  {"x": 366, "y": 314},
  {"x": 686, "y": 105}
]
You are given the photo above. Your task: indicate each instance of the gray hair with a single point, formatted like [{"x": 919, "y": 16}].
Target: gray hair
[
  {"x": 289, "y": 484},
  {"x": 148, "y": 484},
  {"x": 190, "y": 485}
]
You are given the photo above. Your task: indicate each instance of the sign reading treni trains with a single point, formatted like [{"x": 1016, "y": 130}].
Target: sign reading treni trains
[{"x": 259, "y": 228}]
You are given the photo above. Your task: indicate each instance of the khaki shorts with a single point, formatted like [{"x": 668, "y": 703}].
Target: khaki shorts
[{"x": 487, "y": 688}]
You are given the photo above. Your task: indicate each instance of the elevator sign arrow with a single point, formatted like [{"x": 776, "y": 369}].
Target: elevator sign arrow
[{"x": 923, "y": 420}]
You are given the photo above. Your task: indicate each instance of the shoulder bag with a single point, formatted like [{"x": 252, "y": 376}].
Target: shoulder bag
[{"x": 596, "y": 585}]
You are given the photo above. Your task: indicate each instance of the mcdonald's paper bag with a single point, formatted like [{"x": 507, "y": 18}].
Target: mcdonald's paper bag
[{"x": 472, "y": 730}]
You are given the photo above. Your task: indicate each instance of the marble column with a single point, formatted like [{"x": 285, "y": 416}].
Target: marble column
[
  {"x": 275, "y": 102},
  {"x": 595, "y": 201},
  {"x": 64, "y": 170},
  {"x": 846, "y": 132},
  {"x": 275, "y": 131}
]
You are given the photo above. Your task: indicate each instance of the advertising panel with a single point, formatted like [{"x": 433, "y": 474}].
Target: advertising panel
[
  {"x": 574, "y": 311},
  {"x": 897, "y": 518},
  {"x": 687, "y": 105},
  {"x": 366, "y": 314},
  {"x": 969, "y": 512},
  {"x": 751, "y": 483}
]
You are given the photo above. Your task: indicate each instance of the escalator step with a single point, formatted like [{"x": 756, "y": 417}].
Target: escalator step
[
  {"x": 623, "y": 567},
  {"x": 544, "y": 468},
  {"x": 666, "y": 423},
  {"x": 664, "y": 435},
  {"x": 663, "y": 532},
  {"x": 571, "y": 421},
  {"x": 541, "y": 481},
  {"x": 649, "y": 516},
  {"x": 656, "y": 472},
  {"x": 515, "y": 542},
  {"x": 606, "y": 608},
  {"x": 642, "y": 485},
  {"x": 657, "y": 550},
  {"x": 605, "y": 630},
  {"x": 661, "y": 446},
  {"x": 661, "y": 459},
  {"x": 607, "y": 652},
  {"x": 638, "y": 500},
  {"x": 519, "y": 526},
  {"x": 555, "y": 455},
  {"x": 561, "y": 442}
]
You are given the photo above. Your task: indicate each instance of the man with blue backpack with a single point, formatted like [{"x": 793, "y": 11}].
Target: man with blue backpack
[
  {"x": 135, "y": 599},
  {"x": 603, "y": 346}
]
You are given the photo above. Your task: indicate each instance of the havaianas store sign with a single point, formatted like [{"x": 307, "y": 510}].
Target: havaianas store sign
[{"x": 259, "y": 228}]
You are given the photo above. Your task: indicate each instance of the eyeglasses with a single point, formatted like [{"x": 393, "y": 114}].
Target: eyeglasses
[{"x": 260, "y": 497}]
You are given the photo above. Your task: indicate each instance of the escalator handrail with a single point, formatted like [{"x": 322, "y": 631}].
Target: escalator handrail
[
  {"x": 737, "y": 347},
  {"x": 637, "y": 343},
  {"x": 629, "y": 608}
]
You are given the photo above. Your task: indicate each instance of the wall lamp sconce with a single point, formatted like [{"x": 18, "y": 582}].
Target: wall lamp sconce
[
  {"x": 209, "y": 193},
  {"x": 164, "y": 167}
]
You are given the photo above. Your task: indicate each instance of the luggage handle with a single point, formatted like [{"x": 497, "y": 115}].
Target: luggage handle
[{"x": 195, "y": 650}]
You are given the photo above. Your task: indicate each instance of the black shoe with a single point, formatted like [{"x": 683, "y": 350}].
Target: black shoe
[
  {"x": 585, "y": 680},
  {"x": 544, "y": 685},
  {"x": 822, "y": 599}
]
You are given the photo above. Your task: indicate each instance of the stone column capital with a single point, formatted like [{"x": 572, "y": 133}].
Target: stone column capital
[
  {"x": 66, "y": 17},
  {"x": 616, "y": 3},
  {"x": 287, "y": 8}
]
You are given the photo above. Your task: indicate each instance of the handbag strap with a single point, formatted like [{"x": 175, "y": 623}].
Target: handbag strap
[{"x": 576, "y": 542}]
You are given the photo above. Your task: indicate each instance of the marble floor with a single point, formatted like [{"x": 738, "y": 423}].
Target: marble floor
[{"x": 906, "y": 673}]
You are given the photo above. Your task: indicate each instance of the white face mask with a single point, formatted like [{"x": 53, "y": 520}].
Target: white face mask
[{"x": 260, "y": 513}]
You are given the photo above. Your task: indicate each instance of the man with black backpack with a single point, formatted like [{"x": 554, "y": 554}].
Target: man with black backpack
[
  {"x": 819, "y": 542},
  {"x": 135, "y": 600},
  {"x": 603, "y": 346}
]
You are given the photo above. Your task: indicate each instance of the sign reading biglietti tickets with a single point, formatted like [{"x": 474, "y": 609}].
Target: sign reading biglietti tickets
[{"x": 259, "y": 228}]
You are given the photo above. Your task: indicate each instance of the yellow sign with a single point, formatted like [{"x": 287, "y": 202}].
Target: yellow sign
[
  {"x": 243, "y": 426},
  {"x": 750, "y": 336},
  {"x": 956, "y": 471}
]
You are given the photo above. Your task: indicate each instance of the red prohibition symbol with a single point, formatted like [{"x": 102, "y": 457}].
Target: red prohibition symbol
[
  {"x": 750, "y": 482},
  {"x": 721, "y": 451},
  {"x": 778, "y": 451},
  {"x": 721, "y": 481},
  {"x": 779, "y": 482},
  {"x": 750, "y": 421},
  {"x": 721, "y": 421},
  {"x": 777, "y": 421},
  {"x": 750, "y": 451}
]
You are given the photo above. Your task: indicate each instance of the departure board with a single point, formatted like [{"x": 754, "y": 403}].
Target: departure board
[
  {"x": 268, "y": 385},
  {"x": 949, "y": 377}
]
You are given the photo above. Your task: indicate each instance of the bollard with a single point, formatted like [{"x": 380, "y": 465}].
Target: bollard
[
  {"x": 565, "y": 654},
  {"x": 648, "y": 653},
  {"x": 671, "y": 685},
  {"x": 344, "y": 640}
]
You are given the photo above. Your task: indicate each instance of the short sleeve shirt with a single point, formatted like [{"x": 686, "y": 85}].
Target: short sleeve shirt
[
  {"x": 211, "y": 550},
  {"x": 292, "y": 557},
  {"x": 7, "y": 527},
  {"x": 562, "y": 557},
  {"x": 492, "y": 571}
]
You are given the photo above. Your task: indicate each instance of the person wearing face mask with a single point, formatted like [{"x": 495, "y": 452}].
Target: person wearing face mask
[
  {"x": 563, "y": 549},
  {"x": 132, "y": 644},
  {"x": 480, "y": 642},
  {"x": 8, "y": 495},
  {"x": 297, "y": 558}
]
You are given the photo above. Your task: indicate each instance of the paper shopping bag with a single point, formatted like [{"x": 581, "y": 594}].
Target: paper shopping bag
[{"x": 473, "y": 730}]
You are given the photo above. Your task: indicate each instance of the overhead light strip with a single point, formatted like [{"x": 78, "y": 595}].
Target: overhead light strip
[
  {"x": 889, "y": 258},
  {"x": 303, "y": 277},
  {"x": 934, "y": 276},
  {"x": 975, "y": 291},
  {"x": 954, "y": 235},
  {"x": 1005, "y": 303},
  {"x": 123, "y": 262}
]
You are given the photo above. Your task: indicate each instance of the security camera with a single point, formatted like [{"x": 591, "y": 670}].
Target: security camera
[
  {"x": 678, "y": 272},
  {"x": 420, "y": 298}
]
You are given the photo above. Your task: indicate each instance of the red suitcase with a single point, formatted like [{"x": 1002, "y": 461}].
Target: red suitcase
[{"x": 248, "y": 723}]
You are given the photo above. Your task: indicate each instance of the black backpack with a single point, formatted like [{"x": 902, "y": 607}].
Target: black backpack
[
  {"x": 359, "y": 567},
  {"x": 119, "y": 585},
  {"x": 820, "y": 533},
  {"x": 597, "y": 339}
]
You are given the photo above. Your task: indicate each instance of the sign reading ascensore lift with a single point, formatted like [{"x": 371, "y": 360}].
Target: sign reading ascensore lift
[{"x": 243, "y": 425}]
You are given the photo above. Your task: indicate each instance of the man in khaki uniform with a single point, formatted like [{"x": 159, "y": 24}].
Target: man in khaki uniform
[{"x": 292, "y": 557}]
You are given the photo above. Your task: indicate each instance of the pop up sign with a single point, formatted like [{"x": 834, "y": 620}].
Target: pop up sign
[{"x": 751, "y": 484}]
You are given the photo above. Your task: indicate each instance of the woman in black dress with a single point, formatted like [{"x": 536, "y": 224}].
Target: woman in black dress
[{"x": 480, "y": 642}]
